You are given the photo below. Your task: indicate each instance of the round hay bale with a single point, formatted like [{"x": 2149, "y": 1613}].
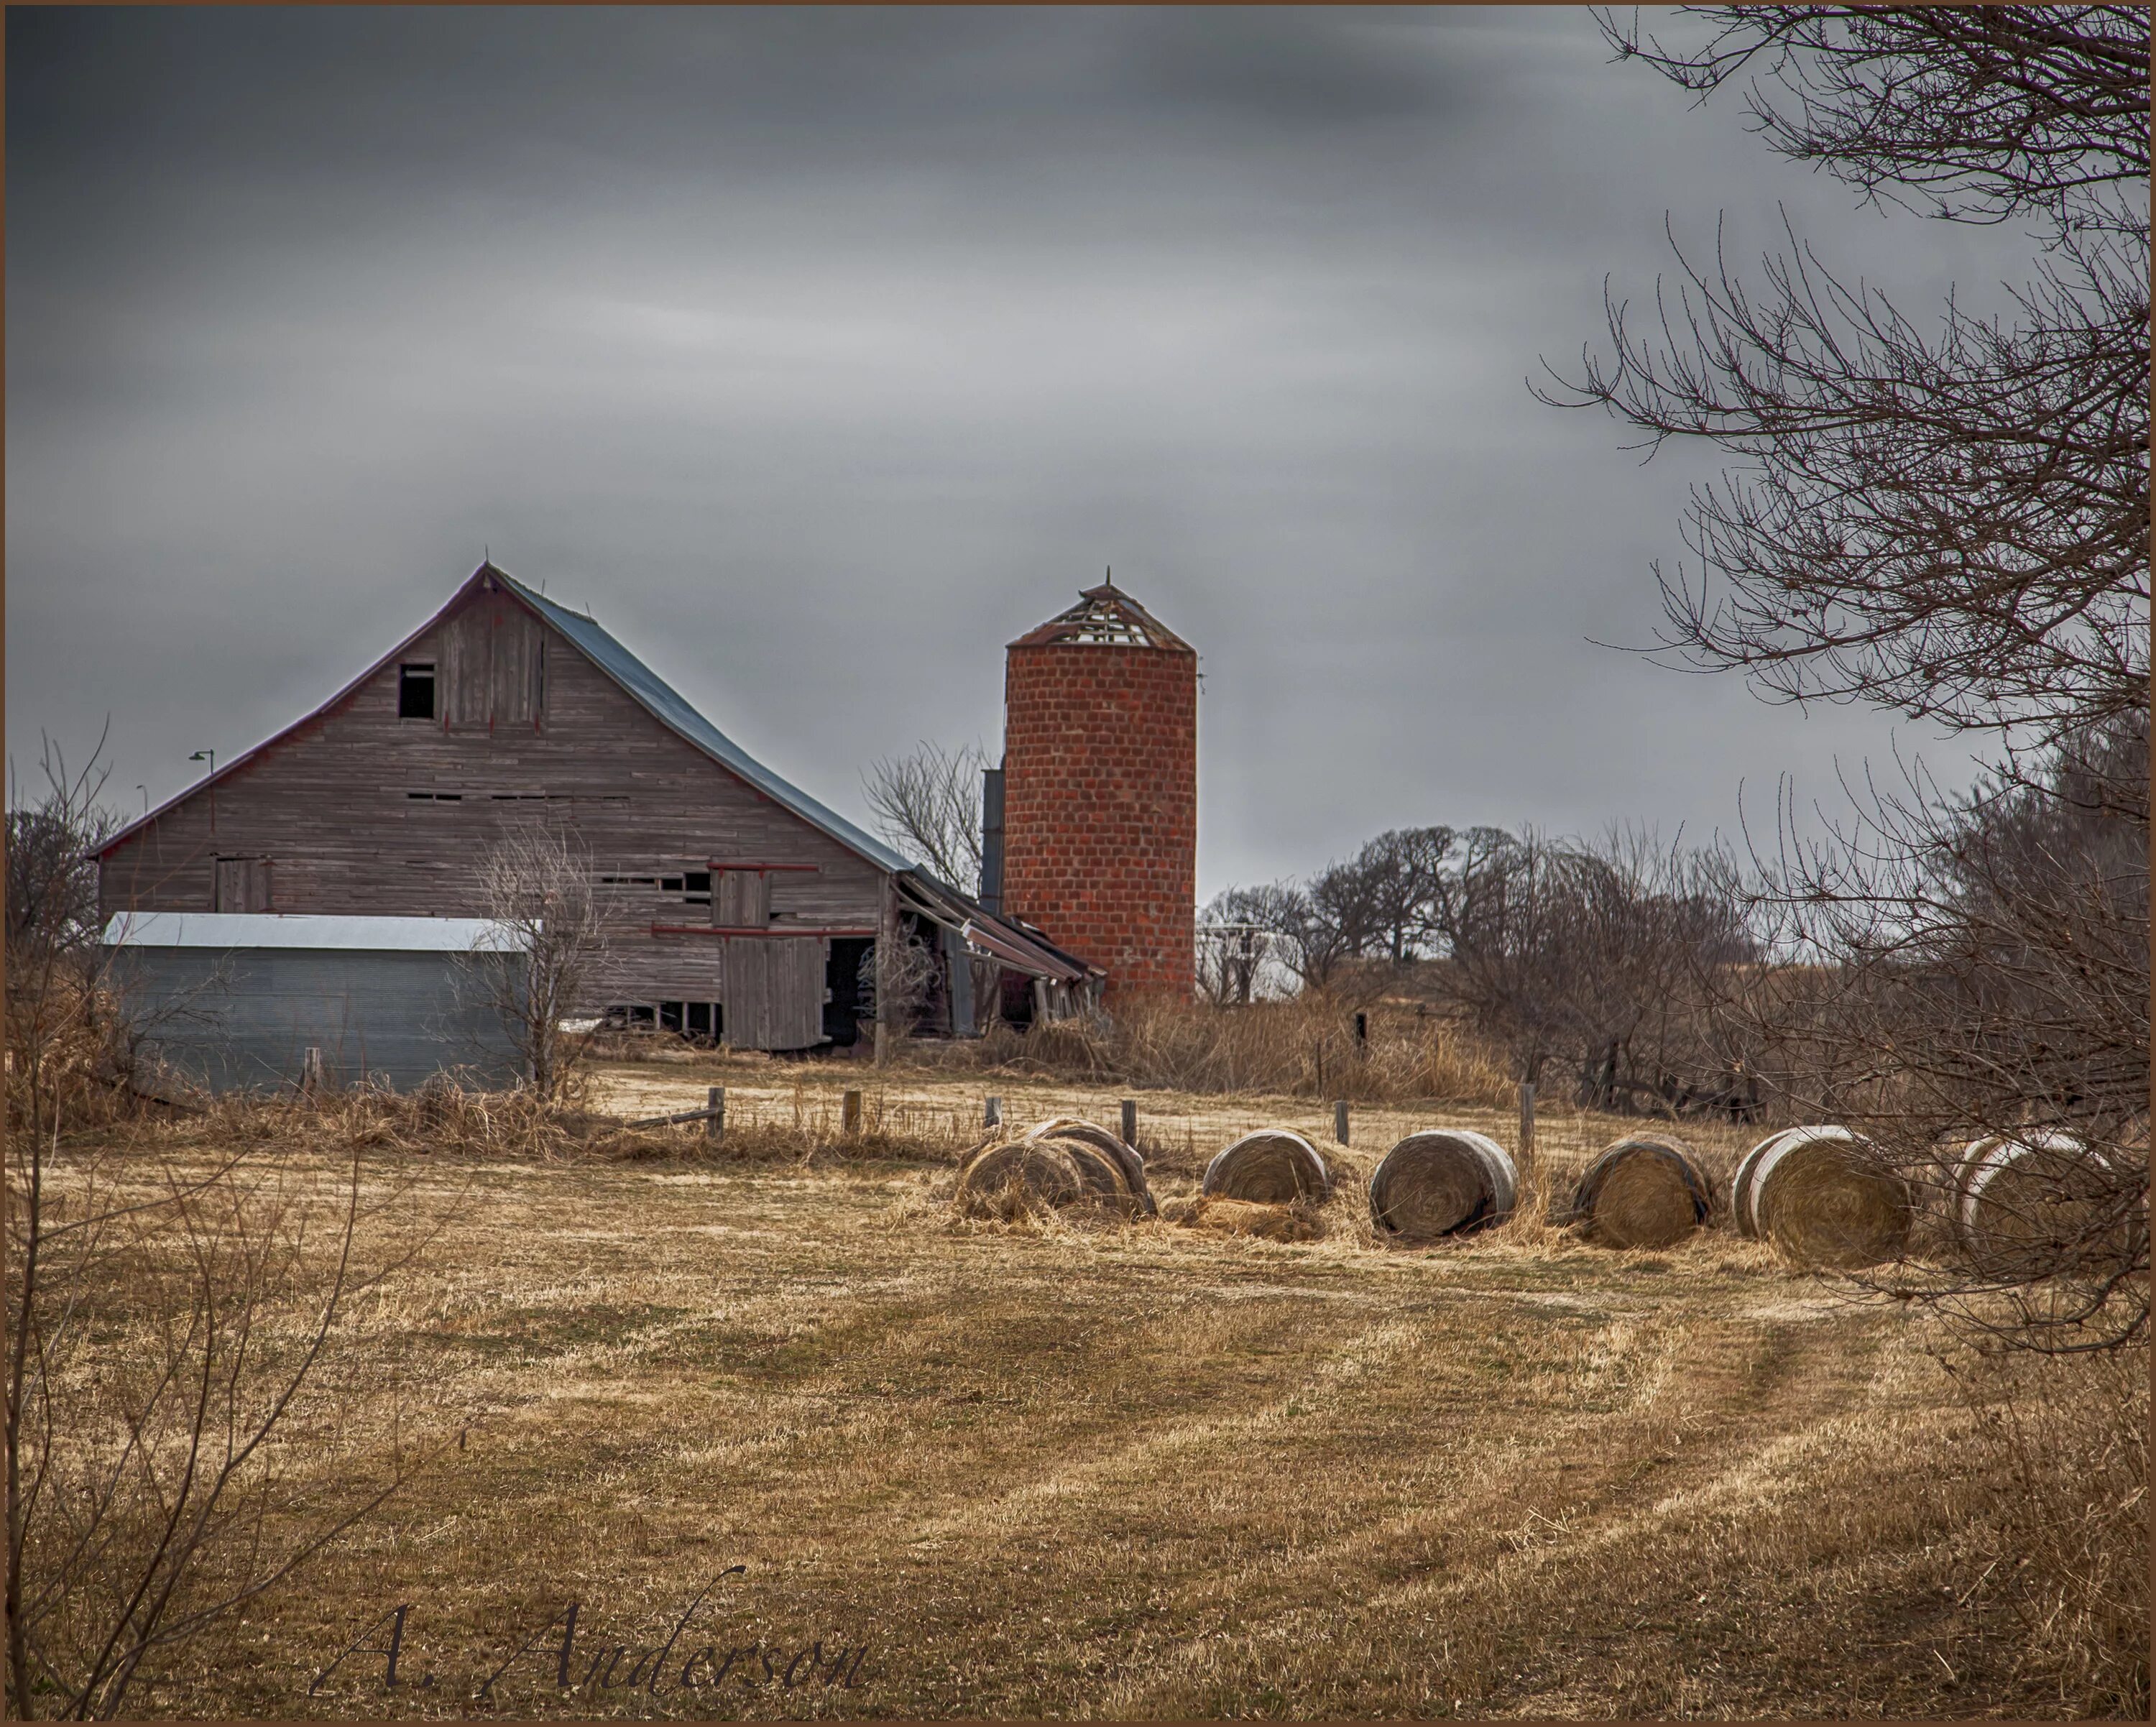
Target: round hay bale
[
  {"x": 1645, "y": 1191},
  {"x": 1112, "y": 1146},
  {"x": 1822, "y": 1197},
  {"x": 1271, "y": 1167},
  {"x": 1015, "y": 1178},
  {"x": 1740, "y": 1184},
  {"x": 1215, "y": 1215},
  {"x": 1442, "y": 1182},
  {"x": 2037, "y": 1203}
]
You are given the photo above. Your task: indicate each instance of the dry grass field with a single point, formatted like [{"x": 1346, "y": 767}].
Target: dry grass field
[{"x": 1138, "y": 1471}]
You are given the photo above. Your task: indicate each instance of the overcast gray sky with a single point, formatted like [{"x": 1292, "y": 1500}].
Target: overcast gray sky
[{"x": 821, "y": 352}]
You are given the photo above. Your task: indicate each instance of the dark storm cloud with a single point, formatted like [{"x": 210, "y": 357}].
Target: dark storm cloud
[{"x": 823, "y": 352}]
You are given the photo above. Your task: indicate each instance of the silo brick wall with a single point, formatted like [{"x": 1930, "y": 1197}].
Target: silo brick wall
[{"x": 1101, "y": 807}]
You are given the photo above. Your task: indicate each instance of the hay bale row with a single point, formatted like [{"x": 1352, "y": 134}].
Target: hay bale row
[
  {"x": 1824, "y": 1196},
  {"x": 1443, "y": 1182},
  {"x": 1645, "y": 1191},
  {"x": 1271, "y": 1167}
]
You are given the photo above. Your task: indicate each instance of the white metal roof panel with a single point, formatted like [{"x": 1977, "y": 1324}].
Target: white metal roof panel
[{"x": 270, "y": 929}]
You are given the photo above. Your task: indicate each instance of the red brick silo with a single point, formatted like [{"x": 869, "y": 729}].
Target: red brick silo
[{"x": 1100, "y": 790}]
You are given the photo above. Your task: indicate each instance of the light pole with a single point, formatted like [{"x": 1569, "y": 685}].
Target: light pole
[
  {"x": 145, "y": 790},
  {"x": 210, "y": 756}
]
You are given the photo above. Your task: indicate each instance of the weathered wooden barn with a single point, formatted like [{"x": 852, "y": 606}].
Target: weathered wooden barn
[{"x": 738, "y": 906}]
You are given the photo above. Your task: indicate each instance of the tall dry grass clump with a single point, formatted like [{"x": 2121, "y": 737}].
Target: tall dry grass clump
[
  {"x": 2054, "y": 1484},
  {"x": 443, "y": 1119},
  {"x": 1304, "y": 1047}
]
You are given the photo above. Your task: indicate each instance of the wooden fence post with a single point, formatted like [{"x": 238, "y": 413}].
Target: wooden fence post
[
  {"x": 714, "y": 1123},
  {"x": 310, "y": 1072},
  {"x": 1527, "y": 1124},
  {"x": 992, "y": 1116},
  {"x": 849, "y": 1112},
  {"x": 1131, "y": 1122},
  {"x": 886, "y": 961},
  {"x": 1340, "y": 1121}
]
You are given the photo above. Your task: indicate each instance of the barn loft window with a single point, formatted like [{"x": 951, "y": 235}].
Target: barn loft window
[
  {"x": 241, "y": 884},
  {"x": 415, "y": 691}
]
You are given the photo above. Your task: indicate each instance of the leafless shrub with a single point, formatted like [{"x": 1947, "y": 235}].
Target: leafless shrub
[
  {"x": 901, "y": 978},
  {"x": 152, "y": 1493},
  {"x": 547, "y": 957},
  {"x": 145, "y": 1498}
]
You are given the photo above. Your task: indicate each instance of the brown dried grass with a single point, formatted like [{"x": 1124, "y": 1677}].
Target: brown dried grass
[
  {"x": 1303, "y": 1047},
  {"x": 1016, "y": 1458},
  {"x": 1291, "y": 1221}
]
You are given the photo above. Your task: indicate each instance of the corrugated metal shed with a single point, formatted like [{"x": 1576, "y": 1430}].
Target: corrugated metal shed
[
  {"x": 273, "y": 929},
  {"x": 233, "y": 1001}
]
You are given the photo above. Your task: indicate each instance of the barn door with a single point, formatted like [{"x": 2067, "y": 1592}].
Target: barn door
[
  {"x": 774, "y": 991},
  {"x": 740, "y": 899},
  {"x": 748, "y": 986}
]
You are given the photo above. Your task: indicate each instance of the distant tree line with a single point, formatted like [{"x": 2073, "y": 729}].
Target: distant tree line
[{"x": 1602, "y": 961}]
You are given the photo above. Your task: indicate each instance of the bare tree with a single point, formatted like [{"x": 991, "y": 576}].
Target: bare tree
[
  {"x": 546, "y": 957},
  {"x": 1954, "y": 525},
  {"x": 928, "y": 804},
  {"x": 1303, "y": 936},
  {"x": 1603, "y": 956},
  {"x": 1376, "y": 904}
]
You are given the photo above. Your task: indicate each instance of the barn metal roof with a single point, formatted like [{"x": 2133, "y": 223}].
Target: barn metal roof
[
  {"x": 666, "y": 704},
  {"x": 270, "y": 929}
]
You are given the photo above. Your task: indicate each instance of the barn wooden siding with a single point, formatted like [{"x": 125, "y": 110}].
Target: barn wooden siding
[{"x": 358, "y": 811}]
